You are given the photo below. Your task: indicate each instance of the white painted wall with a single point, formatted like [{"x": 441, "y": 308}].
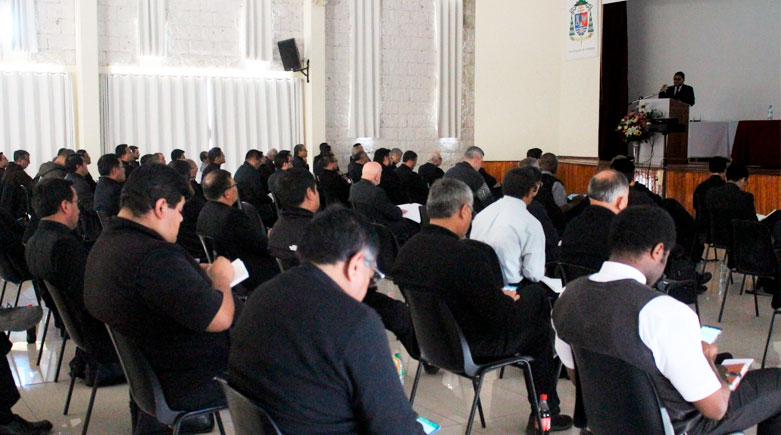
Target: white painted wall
[
  {"x": 730, "y": 51},
  {"x": 526, "y": 94}
]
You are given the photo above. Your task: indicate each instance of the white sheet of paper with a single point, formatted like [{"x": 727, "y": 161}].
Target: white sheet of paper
[
  {"x": 240, "y": 272},
  {"x": 412, "y": 211},
  {"x": 553, "y": 283}
]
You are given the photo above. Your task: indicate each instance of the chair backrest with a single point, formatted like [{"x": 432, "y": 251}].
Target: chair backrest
[
  {"x": 144, "y": 385},
  {"x": 389, "y": 248},
  {"x": 440, "y": 339},
  {"x": 252, "y": 213},
  {"x": 68, "y": 317},
  {"x": 13, "y": 266},
  {"x": 104, "y": 218},
  {"x": 248, "y": 417},
  {"x": 28, "y": 203},
  {"x": 208, "y": 245},
  {"x": 570, "y": 272},
  {"x": 619, "y": 398},
  {"x": 721, "y": 227},
  {"x": 753, "y": 249},
  {"x": 277, "y": 206}
]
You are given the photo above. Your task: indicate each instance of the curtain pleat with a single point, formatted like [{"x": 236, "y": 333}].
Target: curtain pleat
[
  {"x": 151, "y": 27},
  {"x": 365, "y": 69},
  {"x": 36, "y": 114},
  {"x": 258, "y": 34},
  {"x": 24, "y": 36},
  {"x": 450, "y": 30}
]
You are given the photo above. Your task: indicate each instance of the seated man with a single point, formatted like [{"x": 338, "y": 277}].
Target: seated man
[
  {"x": 127, "y": 157},
  {"x": 495, "y": 323},
  {"x": 638, "y": 193},
  {"x": 731, "y": 201},
  {"x": 282, "y": 162},
  {"x": 232, "y": 230},
  {"x": 411, "y": 180},
  {"x": 299, "y": 157},
  {"x": 12, "y": 198},
  {"x": 139, "y": 282},
  {"x": 112, "y": 175},
  {"x": 717, "y": 168},
  {"x": 516, "y": 236},
  {"x": 216, "y": 159},
  {"x": 658, "y": 334},
  {"x": 358, "y": 158},
  {"x": 317, "y": 164},
  {"x": 374, "y": 203},
  {"x": 187, "y": 236},
  {"x": 335, "y": 185},
  {"x": 431, "y": 171},
  {"x": 390, "y": 181},
  {"x": 252, "y": 189},
  {"x": 552, "y": 237},
  {"x": 584, "y": 242},
  {"x": 467, "y": 172},
  {"x": 77, "y": 172},
  {"x": 56, "y": 255},
  {"x": 335, "y": 375},
  {"x": 299, "y": 200},
  {"x": 54, "y": 168},
  {"x": 267, "y": 167}
]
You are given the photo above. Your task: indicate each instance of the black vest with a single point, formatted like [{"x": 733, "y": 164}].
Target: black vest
[
  {"x": 584, "y": 320},
  {"x": 545, "y": 196}
]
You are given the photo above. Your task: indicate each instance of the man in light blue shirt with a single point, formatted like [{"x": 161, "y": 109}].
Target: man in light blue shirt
[{"x": 516, "y": 235}]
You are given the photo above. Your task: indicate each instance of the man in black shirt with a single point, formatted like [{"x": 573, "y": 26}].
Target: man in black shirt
[
  {"x": 412, "y": 181},
  {"x": 143, "y": 285},
  {"x": 87, "y": 161},
  {"x": 299, "y": 157},
  {"x": 56, "y": 167},
  {"x": 374, "y": 203},
  {"x": 325, "y": 150},
  {"x": 584, "y": 242},
  {"x": 299, "y": 202},
  {"x": 552, "y": 237},
  {"x": 127, "y": 157},
  {"x": 431, "y": 171},
  {"x": 335, "y": 186},
  {"x": 267, "y": 168},
  {"x": 638, "y": 193},
  {"x": 112, "y": 175},
  {"x": 187, "y": 236},
  {"x": 12, "y": 197},
  {"x": 389, "y": 181},
  {"x": 77, "y": 172},
  {"x": 466, "y": 171},
  {"x": 495, "y": 323},
  {"x": 232, "y": 230},
  {"x": 249, "y": 181},
  {"x": 282, "y": 162},
  {"x": 309, "y": 352},
  {"x": 717, "y": 168},
  {"x": 355, "y": 168},
  {"x": 216, "y": 159},
  {"x": 56, "y": 255}
]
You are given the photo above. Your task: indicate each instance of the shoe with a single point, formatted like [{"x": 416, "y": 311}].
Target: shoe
[
  {"x": 585, "y": 431},
  {"x": 558, "y": 422},
  {"x": 21, "y": 426},
  {"x": 704, "y": 278},
  {"x": 430, "y": 370},
  {"x": 199, "y": 424}
]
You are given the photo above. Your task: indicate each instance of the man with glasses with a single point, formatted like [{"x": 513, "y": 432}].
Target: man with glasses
[
  {"x": 496, "y": 322},
  {"x": 234, "y": 234},
  {"x": 309, "y": 352}
]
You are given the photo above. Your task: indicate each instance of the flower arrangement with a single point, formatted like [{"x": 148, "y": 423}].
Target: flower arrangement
[{"x": 634, "y": 126}]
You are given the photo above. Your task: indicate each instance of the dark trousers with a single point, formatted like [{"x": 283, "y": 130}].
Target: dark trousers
[
  {"x": 757, "y": 400},
  {"x": 8, "y": 392},
  {"x": 395, "y": 317}
]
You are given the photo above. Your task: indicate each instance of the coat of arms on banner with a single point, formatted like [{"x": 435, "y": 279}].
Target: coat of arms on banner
[{"x": 581, "y": 26}]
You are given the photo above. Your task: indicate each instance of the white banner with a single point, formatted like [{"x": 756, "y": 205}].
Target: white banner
[{"x": 582, "y": 28}]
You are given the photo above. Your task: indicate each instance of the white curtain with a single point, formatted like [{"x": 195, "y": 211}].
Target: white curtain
[
  {"x": 156, "y": 113},
  {"x": 450, "y": 30},
  {"x": 365, "y": 69},
  {"x": 151, "y": 27},
  {"x": 17, "y": 25},
  {"x": 257, "y": 31},
  {"x": 259, "y": 113},
  {"x": 36, "y": 114}
]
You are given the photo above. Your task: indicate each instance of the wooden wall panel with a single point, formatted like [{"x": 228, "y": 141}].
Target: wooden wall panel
[
  {"x": 575, "y": 175},
  {"x": 766, "y": 190},
  {"x": 681, "y": 185},
  {"x": 498, "y": 169}
]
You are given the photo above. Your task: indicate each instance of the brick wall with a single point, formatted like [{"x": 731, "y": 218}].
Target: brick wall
[{"x": 55, "y": 25}]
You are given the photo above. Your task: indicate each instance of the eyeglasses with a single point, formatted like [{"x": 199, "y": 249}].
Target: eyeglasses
[{"x": 377, "y": 277}]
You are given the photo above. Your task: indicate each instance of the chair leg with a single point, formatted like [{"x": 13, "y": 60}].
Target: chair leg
[
  {"x": 501, "y": 373},
  {"x": 18, "y": 293},
  {"x": 476, "y": 400},
  {"x": 724, "y": 299},
  {"x": 2, "y": 296},
  {"x": 529, "y": 378},
  {"x": 756, "y": 303},
  {"x": 59, "y": 360},
  {"x": 219, "y": 422},
  {"x": 415, "y": 383},
  {"x": 177, "y": 426},
  {"x": 43, "y": 337},
  {"x": 769, "y": 333},
  {"x": 91, "y": 403},
  {"x": 479, "y": 403},
  {"x": 68, "y": 398},
  {"x": 742, "y": 284}
]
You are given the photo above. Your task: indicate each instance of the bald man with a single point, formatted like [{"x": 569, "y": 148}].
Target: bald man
[
  {"x": 431, "y": 171},
  {"x": 375, "y": 204}
]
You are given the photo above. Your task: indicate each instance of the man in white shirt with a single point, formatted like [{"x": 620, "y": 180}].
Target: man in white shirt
[
  {"x": 516, "y": 235},
  {"x": 658, "y": 334}
]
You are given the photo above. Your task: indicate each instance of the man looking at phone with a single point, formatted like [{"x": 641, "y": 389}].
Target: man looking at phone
[{"x": 658, "y": 334}]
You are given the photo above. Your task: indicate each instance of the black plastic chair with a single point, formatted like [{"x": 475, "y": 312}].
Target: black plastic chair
[
  {"x": 208, "y": 245},
  {"x": 13, "y": 267},
  {"x": 277, "y": 207},
  {"x": 286, "y": 263},
  {"x": 753, "y": 256},
  {"x": 27, "y": 202},
  {"x": 248, "y": 417},
  {"x": 569, "y": 272},
  {"x": 252, "y": 212},
  {"x": 442, "y": 344},
  {"x": 389, "y": 249},
  {"x": 619, "y": 398},
  {"x": 75, "y": 333},
  {"x": 145, "y": 389}
]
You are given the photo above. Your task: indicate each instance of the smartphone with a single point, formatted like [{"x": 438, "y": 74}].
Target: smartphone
[
  {"x": 511, "y": 288},
  {"x": 709, "y": 334},
  {"x": 429, "y": 427},
  {"x": 572, "y": 196}
]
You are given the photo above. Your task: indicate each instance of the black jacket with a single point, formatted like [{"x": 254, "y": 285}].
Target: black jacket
[
  {"x": 700, "y": 209},
  {"x": 188, "y": 236},
  {"x": 430, "y": 173},
  {"x": 391, "y": 184},
  {"x": 482, "y": 192},
  {"x": 288, "y": 232},
  {"x": 584, "y": 241},
  {"x": 685, "y": 95},
  {"x": 83, "y": 189},
  {"x": 355, "y": 171},
  {"x": 335, "y": 188},
  {"x": 373, "y": 201},
  {"x": 50, "y": 170},
  {"x": 12, "y": 197},
  {"x": 236, "y": 238},
  {"x": 413, "y": 183},
  {"x": 250, "y": 184},
  {"x": 298, "y": 162},
  {"x": 552, "y": 237},
  {"x": 107, "y": 196}
]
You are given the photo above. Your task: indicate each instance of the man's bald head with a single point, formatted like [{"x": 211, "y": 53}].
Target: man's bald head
[
  {"x": 372, "y": 171},
  {"x": 434, "y": 158},
  {"x": 609, "y": 189}
]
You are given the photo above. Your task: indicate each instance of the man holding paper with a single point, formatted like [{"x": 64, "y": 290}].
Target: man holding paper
[{"x": 615, "y": 312}]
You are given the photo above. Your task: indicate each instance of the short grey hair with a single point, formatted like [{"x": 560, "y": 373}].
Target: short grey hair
[
  {"x": 446, "y": 197},
  {"x": 396, "y": 151},
  {"x": 529, "y": 162},
  {"x": 433, "y": 156},
  {"x": 607, "y": 186},
  {"x": 473, "y": 152}
]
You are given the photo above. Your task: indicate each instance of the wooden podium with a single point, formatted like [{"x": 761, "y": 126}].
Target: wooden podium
[{"x": 677, "y": 143}]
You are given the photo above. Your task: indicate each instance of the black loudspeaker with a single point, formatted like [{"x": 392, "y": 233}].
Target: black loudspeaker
[{"x": 288, "y": 51}]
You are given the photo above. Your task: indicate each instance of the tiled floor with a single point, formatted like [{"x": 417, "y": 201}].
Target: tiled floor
[{"x": 443, "y": 398}]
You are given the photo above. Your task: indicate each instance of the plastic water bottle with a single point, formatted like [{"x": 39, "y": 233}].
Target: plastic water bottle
[
  {"x": 545, "y": 414},
  {"x": 723, "y": 279},
  {"x": 770, "y": 112},
  {"x": 399, "y": 366}
]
